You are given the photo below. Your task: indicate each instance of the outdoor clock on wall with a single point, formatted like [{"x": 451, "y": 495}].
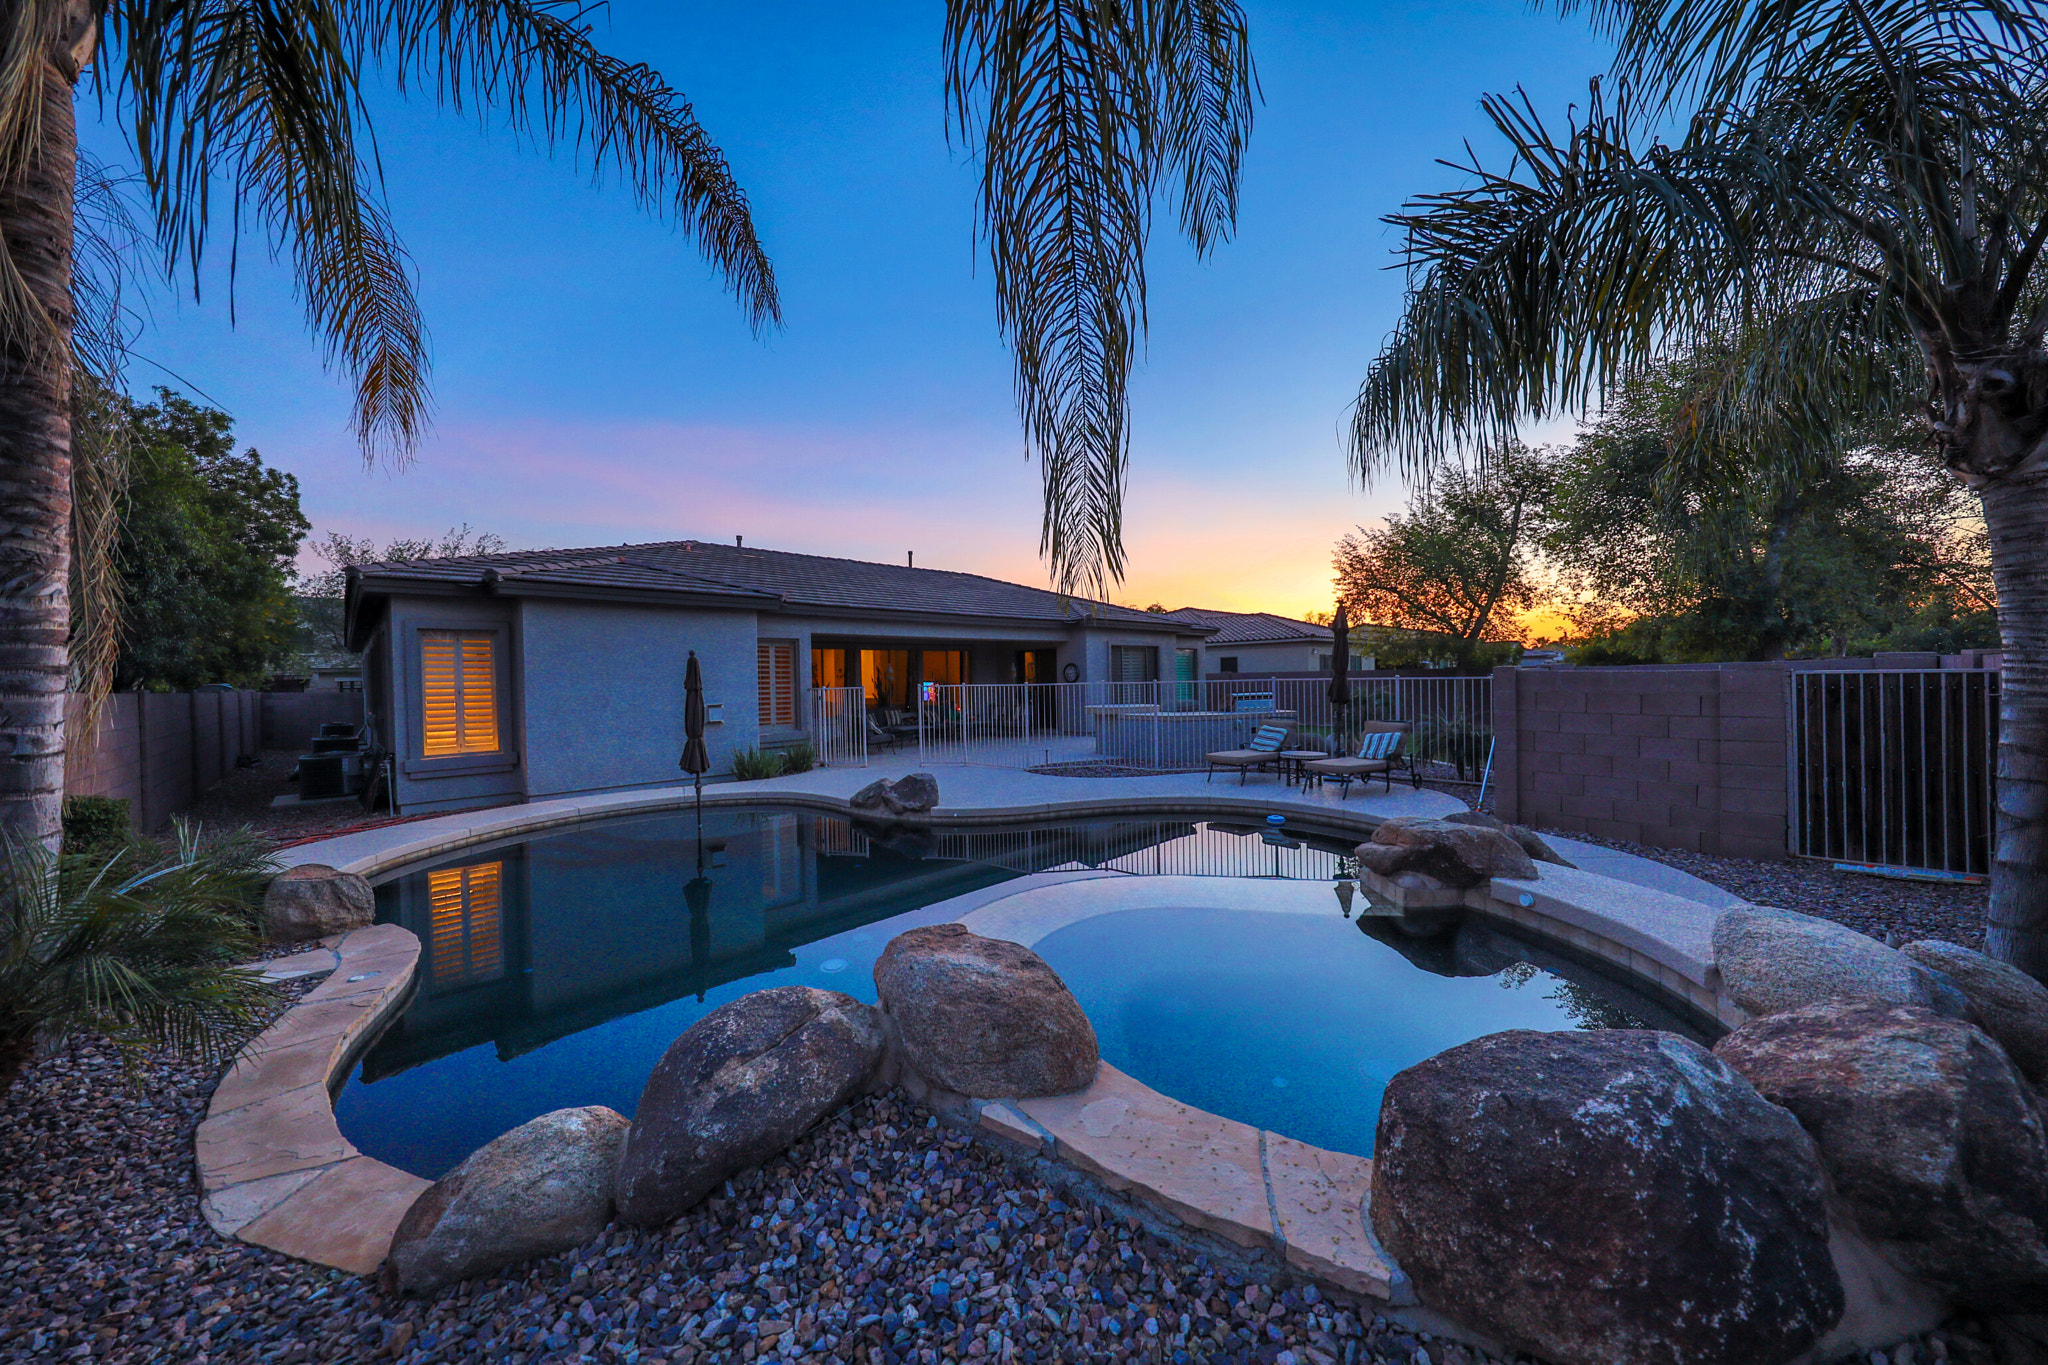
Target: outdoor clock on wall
[{"x": 1072, "y": 673}]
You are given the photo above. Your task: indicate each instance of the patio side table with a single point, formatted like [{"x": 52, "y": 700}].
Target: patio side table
[{"x": 1291, "y": 761}]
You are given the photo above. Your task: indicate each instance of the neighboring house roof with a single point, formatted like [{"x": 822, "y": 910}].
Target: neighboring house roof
[
  {"x": 765, "y": 580},
  {"x": 1253, "y": 627}
]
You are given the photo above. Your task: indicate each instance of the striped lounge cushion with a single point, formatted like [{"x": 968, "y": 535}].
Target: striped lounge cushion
[
  {"x": 1269, "y": 739},
  {"x": 1380, "y": 744}
]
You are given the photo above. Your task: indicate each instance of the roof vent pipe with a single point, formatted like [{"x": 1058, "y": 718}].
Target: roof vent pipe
[
  {"x": 910, "y": 558},
  {"x": 739, "y": 542}
]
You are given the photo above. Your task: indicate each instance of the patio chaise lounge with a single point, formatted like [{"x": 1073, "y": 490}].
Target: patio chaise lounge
[
  {"x": 1264, "y": 748},
  {"x": 1379, "y": 754}
]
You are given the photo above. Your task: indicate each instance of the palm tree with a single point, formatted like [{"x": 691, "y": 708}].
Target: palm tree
[
  {"x": 1861, "y": 187},
  {"x": 1081, "y": 110}
]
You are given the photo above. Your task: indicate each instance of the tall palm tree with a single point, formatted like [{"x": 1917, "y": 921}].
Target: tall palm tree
[
  {"x": 252, "y": 114},
  {"x": 1861, "y": 183}
]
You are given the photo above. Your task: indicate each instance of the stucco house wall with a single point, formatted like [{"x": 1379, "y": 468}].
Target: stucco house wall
[
  {"x": 603, "y": 691},
  {"x": 426, "y": 784}
]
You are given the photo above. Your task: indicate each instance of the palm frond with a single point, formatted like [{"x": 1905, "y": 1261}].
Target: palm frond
[
  {"x": 264, "y": 100},
  {"x": 1829, "y": 206},
  {"x": 1076, "y": 108}
]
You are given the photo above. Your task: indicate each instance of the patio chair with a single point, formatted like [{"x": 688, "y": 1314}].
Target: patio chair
[
  {"x": 1380, "y": 752},
  {"x": 878, "y": 738},
  {"x": 1264, "y": 748}
]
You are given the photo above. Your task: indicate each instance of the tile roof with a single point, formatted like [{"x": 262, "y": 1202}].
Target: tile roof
[
  {"x": 761, "y": 577},
  {"x": 1252, "y": 627}
]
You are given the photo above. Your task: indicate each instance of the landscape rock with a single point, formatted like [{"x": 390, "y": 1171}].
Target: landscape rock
[
  {"x": 2010, "y": 1005},
  {"x": 740, "y": 1085},
  {"x": 1776, "y": 960},
  {"x": 984, "y": 1016},
  {"x": 1602, "y": 1196},
  {"x": 1929, "y": 1134},
  {"x": 912, "y": 794},
  {"x": 1533, "y": 844},
  {"x": 1457, "y": 855},
  {"x": 313, "y": 900},
  {"x": 544, "y": 1187}
]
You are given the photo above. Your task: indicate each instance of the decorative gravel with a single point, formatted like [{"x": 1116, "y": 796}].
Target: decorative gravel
[{"x": 882, "y": 1238}]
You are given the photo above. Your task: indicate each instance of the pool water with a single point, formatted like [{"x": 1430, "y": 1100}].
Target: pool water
[{"x": 555, "y": 971}]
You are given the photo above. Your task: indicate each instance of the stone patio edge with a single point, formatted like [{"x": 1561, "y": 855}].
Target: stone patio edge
[{"x": 274, "y": 1168}]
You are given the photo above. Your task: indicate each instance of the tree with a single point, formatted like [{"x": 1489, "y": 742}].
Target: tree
[
  {"x": 1855, "y": 181},
  {"x": 1455, "y": 569},
  {"x": 319, "y": 595},
  {"x": 1763, "y": 550},
  {"x": 1080, "y": 111},
  {"x": 208, "y": 537}
]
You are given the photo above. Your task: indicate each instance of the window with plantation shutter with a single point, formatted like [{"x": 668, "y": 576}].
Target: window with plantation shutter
[
  {"x": 458, "y": 692},
  {"x": 777, "y": 682},
  {"x": 466, "y": 924}
]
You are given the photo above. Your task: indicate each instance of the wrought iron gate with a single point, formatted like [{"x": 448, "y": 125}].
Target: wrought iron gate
[{"x": 1894, "y": 767}]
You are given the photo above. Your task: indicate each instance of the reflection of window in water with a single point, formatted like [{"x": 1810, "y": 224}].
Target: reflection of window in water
[
  {"x": 782, "y": 860},
  {"x": 465, "y": 920}
]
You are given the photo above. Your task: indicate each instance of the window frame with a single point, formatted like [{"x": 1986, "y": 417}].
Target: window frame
[{"x": 415, "y": 761}]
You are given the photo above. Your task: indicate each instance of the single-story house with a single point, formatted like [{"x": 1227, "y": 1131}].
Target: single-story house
[
  {"x": 1260, "y": 642},
  {"x": 507, "y": 677}
]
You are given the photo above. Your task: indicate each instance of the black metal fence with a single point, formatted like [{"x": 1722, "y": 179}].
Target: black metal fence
[{"x": 1895, "y": 767}]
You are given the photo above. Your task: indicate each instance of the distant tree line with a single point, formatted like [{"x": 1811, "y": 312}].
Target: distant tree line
[{"x": 1632, "y": 545}]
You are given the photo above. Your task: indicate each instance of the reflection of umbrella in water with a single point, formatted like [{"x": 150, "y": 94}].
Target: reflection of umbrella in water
[
  {"x": 697, "y": 895},
  {"x": 696, "y": 758}
]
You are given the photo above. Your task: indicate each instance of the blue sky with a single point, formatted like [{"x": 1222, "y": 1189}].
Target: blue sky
[{"x": 594, "y": 384}]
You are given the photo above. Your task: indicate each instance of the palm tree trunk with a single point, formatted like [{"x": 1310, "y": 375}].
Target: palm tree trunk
[
  {"x": 35, "y": 481},
  {"x": 2016, "y": 514}
]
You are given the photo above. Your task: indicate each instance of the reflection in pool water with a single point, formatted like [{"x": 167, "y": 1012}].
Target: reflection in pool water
[{"x": 554, "y": 972}]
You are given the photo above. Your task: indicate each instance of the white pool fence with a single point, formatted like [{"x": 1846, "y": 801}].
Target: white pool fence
[{"x": 1146, "y": 726}]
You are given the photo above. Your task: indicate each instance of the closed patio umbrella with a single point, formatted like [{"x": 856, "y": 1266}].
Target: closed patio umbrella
[
  {"x": 1340, "y": 673},
  {"x": 696, "y": 758}
]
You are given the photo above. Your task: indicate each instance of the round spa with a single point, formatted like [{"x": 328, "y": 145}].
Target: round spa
[{"x": 1230, "y": 966}]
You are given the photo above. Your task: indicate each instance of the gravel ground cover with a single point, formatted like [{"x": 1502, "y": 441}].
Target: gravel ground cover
[{"x": 882, "y": 1238}]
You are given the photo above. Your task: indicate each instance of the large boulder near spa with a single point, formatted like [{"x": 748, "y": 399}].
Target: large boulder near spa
[
  {"x": 984, "y": 1016},
  {"x": 542, "y": 1188},
  {"x": 1456, "y": 855},
  {"x": 914, "y": 794},
  {"x": 2010, "y": 1005},
  {"x": 1616, "y": 1195},
  {"x": 742, "y": 1084},
  {"x": 1930, "y": 1135},
  {"x": 312, "y": 901},
  {"x": 1775, "y": 960}
]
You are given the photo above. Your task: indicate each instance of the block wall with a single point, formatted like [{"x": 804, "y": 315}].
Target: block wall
[{"x": 1682, "y": 757}]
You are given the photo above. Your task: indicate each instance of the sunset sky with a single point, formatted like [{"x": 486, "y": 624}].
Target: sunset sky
[{"x": 595, "y": 385}]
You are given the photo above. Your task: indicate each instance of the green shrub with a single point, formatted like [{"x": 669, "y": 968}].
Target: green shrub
[
  {"x": 751, "y": 765},
  {"x": 141, "y": 949},
  {"x": 93, "y": 823},
  {"x": 800, "y": 757}
]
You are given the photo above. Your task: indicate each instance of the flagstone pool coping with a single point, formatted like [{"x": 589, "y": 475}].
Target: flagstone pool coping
[{"x": 276, "y": 1171}]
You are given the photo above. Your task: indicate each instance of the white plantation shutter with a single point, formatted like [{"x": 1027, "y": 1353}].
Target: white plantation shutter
[
  {"x": 777, "y": 682},
  {"x": 459, "y": 692}
]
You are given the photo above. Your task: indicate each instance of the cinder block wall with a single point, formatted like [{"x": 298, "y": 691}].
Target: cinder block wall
[{"x": 1688, "y": 756}]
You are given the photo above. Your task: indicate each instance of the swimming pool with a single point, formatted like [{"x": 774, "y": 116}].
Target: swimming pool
[{"x": 555, "y": 970}]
